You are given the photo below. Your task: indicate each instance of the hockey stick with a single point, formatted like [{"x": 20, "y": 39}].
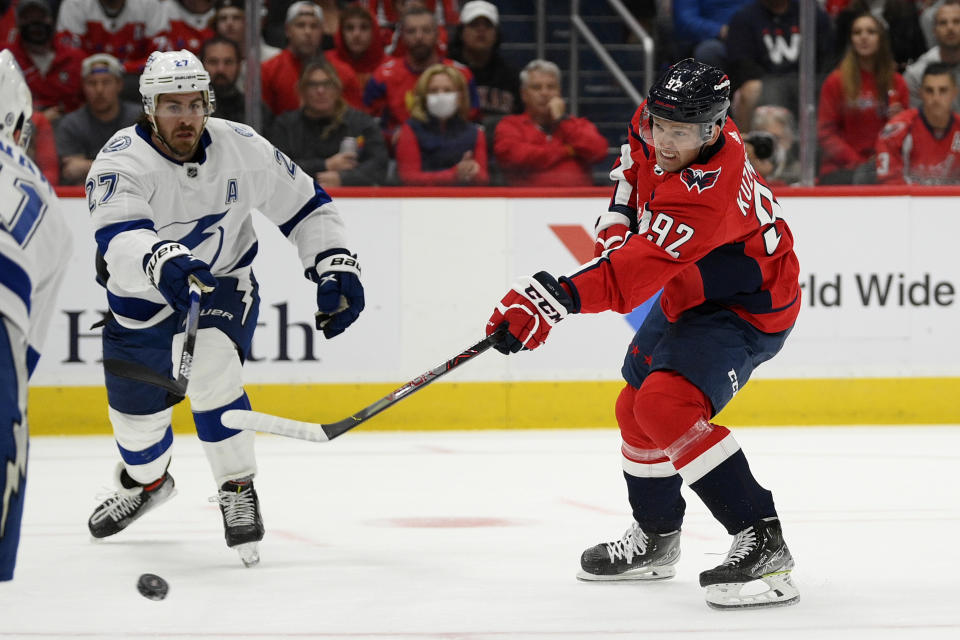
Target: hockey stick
[
  {"x": 140, "y": 373},
  {"x": 316, "y": 432}
]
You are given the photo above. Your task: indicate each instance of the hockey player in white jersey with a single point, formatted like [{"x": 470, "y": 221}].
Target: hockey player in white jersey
[
  {"x": 171, "y": 201},
  {"x": 34, "y": 247}
]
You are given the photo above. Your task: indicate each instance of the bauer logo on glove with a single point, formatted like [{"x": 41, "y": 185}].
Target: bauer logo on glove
[{"x": 340, "y": 296}]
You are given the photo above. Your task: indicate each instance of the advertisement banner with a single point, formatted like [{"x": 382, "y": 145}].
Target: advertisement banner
[{"x": 879, "y": 280}]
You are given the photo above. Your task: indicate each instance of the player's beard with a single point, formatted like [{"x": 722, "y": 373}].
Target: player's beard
[{"x": 182, "y": 148}]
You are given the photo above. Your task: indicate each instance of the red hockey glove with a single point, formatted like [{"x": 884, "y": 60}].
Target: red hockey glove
[
  {"x": 529, "y": 311},
  {"x": 610, "y": 230}
]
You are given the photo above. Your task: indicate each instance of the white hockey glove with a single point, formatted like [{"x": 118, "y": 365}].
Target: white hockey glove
[{"x": 610, "y": 231}]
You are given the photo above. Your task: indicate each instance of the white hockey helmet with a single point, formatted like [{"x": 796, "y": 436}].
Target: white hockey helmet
[
  {"x": 174, "y": 72},
  {"x": 16, "y": 103}
]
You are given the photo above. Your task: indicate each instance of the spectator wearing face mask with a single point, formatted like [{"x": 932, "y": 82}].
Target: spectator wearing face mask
[
  {"x": 51, "y": 69},
  {"x": 438, "y": 145},
  {"x": 388, "y": 91}
]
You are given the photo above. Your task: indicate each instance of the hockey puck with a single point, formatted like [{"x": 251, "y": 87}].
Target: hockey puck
[{"x": 152, "y": 586}]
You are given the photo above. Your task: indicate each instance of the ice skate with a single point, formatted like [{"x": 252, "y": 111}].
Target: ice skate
[
  {"x": 756, "y": 572},
  {"x": 636, "y": 556},
  {"x": 242, "y": 525},
  {"x": 129, "y": 502}
]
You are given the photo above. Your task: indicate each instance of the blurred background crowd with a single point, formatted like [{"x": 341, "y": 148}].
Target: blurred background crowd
[{"x": 442, "y": 92}]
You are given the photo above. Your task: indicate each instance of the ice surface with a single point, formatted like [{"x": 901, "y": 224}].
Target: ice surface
[{"x": 477, "y": 535}]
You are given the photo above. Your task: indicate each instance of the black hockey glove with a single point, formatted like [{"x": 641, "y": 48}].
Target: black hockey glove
[{"x": 339, "y": 291}]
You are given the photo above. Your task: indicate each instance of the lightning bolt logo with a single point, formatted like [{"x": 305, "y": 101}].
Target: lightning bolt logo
[
  {"x": 202, "y": 230},
  {"x": 16, "y": 471},
  {"x": 245, "y": 289}
]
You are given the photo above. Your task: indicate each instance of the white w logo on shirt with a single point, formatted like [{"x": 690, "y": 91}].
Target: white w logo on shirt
[{"x": 780, "y": 50}]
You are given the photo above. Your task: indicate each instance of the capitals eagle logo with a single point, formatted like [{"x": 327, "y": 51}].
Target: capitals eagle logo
[{"x": 699, "y": 178}]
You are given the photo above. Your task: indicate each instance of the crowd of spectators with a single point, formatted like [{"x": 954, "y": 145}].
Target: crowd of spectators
[
  {"x": 871, "y": 60},
  {"x": 374, "y": 92}
]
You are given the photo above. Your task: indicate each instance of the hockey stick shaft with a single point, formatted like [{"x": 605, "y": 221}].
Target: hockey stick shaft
[
  {"x": 316, "y": 432},
  {"x": 141, "y": 373},
  {"x": 189, "y": 336}
]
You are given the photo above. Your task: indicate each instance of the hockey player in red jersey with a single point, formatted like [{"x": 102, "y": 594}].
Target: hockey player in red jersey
[{"x": 708, "y": 231}]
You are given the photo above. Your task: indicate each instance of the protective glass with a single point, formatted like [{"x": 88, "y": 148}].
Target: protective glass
[
  {"x": 667, "y": 134},
  {"x": 178, "y": 110}
]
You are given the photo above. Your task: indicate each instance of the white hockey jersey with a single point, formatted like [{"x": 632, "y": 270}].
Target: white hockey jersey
[
  {"x": 137, "y": 196},
  {"x": 35, "y": 246}
]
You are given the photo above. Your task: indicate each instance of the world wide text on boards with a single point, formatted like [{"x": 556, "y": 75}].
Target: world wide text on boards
[{"x": 877, "y": 290}]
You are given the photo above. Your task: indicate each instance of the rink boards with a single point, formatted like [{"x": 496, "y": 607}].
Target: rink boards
[{"x": 875, "y": 342}]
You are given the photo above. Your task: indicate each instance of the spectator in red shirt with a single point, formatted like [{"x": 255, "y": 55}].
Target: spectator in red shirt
[
  {"x": 280, "y": 76},
  {"x": 390, "y": 90},
  {"x": 126, "y": 29},
  {"x": 543, "y": 146},
  {"x": 922, "y": 146},
  {"x": 8, "y": 25},
  {"x": 43, "y": 148},
  {"x": 358, "y": 43},
  {"x": 189, "y": 23},
  {"x": 391, "y": 14},
  {"x": 51, "y": 70},
  {"x": 392, "y": 9},
  {"x": 438, "y": 145},
  {"x": 857, "y": 99}
]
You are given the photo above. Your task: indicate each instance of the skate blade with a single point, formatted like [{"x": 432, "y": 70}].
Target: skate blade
[
  {"x": 249, "y": 553},
  {"x": 772, "y": 590},
  {"x": 645, "y": 574}
]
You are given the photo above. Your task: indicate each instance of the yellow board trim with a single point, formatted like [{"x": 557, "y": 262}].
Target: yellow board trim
[{"x": 538, "y": 405}]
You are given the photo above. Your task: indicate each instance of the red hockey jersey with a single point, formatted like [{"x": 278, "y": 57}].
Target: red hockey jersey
[
  {"x": 131, "y": 35},
  {"x": 185, "y": 29},
  {"x": 908, "y": 151},
  {"x": 710, "y": 233}
]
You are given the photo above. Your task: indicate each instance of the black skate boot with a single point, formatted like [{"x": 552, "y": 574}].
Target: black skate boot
[
  {"x": 758, "y": 555},
  {"x": 636, "y": 556},
  {"x": 130, "y": 501},
  {"x": 242, "y": 525}
]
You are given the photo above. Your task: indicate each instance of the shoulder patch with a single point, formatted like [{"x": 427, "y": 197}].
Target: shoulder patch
[
  {"x": 699, "y": 178},
  {"x": 243, "y": 131},
  {"x": 117, "y": 144}
]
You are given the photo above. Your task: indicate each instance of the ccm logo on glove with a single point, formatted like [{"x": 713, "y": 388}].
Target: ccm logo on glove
[
  {"x": 529, "y": 310},
  {"x": 544, "y": 305}
]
